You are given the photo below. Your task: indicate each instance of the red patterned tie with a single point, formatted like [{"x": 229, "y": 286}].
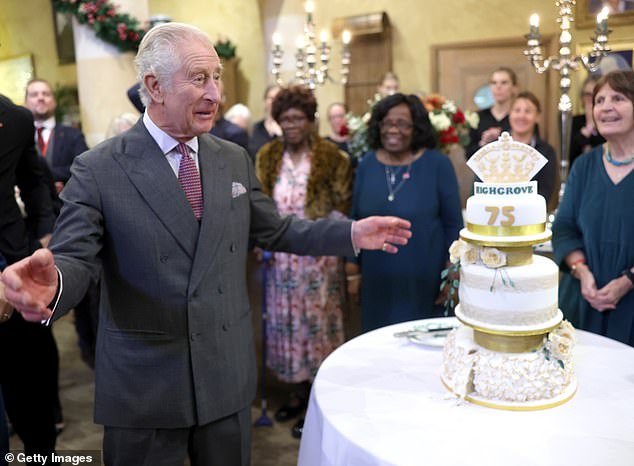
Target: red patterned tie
[
  {"x": 40, "y": 141},
  {"x": 189, "y": 179}
]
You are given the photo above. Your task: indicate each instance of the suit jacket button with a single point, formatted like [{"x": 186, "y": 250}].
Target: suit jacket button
[
  {"x": 226, "y": 326},
  {"x": 232, "y": 248},
  {"x": 220, "y": 289},
  {"x": 163, "y": 259}
]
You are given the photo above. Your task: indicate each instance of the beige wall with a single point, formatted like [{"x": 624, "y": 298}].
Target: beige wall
[
  {"x": 21, "y": 34},
  {"x": 417, "y": 25},
  {"x": 237, "y": 20}
]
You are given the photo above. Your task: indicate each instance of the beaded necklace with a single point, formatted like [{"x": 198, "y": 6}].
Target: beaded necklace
[{"x": 617, "y": 163}]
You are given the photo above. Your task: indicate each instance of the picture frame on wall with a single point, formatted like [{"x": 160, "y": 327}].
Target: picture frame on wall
[
  {"x": 64, "y": 39},
  {"x": 620, "y": 57},
  {"x": 15, "y": 72},
  {"x": 620, "y": 12}
]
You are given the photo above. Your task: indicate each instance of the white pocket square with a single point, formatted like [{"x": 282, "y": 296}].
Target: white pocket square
[{"x": 237, "y": 189}]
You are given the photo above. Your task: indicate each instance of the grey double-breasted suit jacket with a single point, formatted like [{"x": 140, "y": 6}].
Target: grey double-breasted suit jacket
[{"x": 175, "y": 341}]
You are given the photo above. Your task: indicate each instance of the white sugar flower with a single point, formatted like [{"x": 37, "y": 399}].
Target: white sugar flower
[
  {"x": 455, "y": 250},
  {"x": 493, "y": 258},
  {"x": 559, "y": 346},
  {"x": 469, "y": 254},
  {"x": 561, "y": 341},
  {"x": 566, "y": 329}
]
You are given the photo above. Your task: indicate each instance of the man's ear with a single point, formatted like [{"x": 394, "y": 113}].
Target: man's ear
[{"x": 154, "y": 87}]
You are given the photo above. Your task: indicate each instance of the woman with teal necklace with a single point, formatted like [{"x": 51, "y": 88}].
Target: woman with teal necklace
[{"x": 594, "y": 227}]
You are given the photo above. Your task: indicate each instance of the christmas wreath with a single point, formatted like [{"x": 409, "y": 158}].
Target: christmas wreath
[{"x": 119, "y": 29}]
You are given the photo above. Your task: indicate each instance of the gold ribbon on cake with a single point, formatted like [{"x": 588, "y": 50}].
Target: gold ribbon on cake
[
  {"x": 519, "y": 230},
  {"x": 508, "y": 344},
  {"x": 518, "y": 256}
]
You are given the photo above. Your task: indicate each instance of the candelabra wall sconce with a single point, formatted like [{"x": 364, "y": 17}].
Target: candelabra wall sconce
[
  {"x": 566, "y": 63},
  {"x": 312, "y": 57}
]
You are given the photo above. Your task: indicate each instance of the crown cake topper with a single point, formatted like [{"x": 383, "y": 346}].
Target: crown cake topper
[{"x": 506, "y": 161}]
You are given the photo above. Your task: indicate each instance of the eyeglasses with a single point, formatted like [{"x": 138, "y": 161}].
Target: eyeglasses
[
  {"x": 401, "y": 125},
  {"x": 292, "y": 120}
]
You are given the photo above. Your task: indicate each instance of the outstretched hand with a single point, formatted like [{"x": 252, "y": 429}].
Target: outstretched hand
[
  {"x": 381, "y": 233},
  {"x": 31, "y": 284}
]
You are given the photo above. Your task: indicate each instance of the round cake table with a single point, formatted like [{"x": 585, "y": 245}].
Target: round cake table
[{"x": 378, "y": 400}]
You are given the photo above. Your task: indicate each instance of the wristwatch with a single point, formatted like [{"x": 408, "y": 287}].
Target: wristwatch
[{"x": 628, "y": 273}]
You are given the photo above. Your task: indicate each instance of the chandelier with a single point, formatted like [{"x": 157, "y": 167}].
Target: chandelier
[
  {"x": 312, "y": 58},
  {"x": 565, "y": 63}
]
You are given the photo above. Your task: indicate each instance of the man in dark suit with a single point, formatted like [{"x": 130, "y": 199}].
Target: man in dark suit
[
  {"x": 26, "y": 367},
  {"x": 166, "y": 212},
  {"x": 224, "y": 129},
  {"x": 58, "y": 144}
]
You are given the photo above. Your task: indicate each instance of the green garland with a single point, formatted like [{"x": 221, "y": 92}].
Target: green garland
[{"x": 119, "y": 29}]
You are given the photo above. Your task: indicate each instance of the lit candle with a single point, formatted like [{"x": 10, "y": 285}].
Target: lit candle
[
  {"x": 277, "y": 39},
  {"x": 300, "y": 43},
  {"x": 309, "y": 6},
  {"x": 534, "y": 22},
  {"x": 602, "y": 20},
  {"x": 345, "y": 37},
  {"x": 323, "y": 37}
]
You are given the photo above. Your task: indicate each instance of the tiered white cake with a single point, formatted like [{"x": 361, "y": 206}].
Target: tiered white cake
[{"x": 513, "y": 351}]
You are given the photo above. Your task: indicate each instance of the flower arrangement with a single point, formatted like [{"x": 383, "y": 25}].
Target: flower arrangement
[
  {"x": 470, "y": 254},
  {"x": 560, "y": 343},
  {"x": 461, "y": 252},
  {"x": 451, "y": 124},
  {"x": 118, "y": 29},
  {"x": 358, "y": 127}
]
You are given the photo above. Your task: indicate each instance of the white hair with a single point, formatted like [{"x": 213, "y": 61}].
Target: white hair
[
  {"x": 159, "y": 53},
  {"x": 240, "y": 111},
  {"x": 121, "y": 123}
]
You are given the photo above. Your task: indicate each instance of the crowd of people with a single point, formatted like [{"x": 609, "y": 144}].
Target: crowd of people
[{"x": 157, "y": 280}]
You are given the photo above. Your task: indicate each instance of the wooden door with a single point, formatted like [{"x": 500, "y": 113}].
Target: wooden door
[
  {"x": 371, "y": 56},
  {"x": 459, "y": 70}
]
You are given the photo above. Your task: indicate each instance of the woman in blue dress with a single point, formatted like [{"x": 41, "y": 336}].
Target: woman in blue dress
[
  {"x": 593, "y": 230},
  {"x": 403, "y": 175}
]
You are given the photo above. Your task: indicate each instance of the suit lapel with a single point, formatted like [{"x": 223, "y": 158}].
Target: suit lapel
[
  {"x": 150, "y": 172},
  {"x": 216, "y": 182}
]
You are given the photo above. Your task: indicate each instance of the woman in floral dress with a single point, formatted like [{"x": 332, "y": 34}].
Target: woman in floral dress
[{"x": 310, "y": 178}]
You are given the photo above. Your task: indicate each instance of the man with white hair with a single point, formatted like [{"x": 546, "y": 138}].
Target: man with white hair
[{"x": 166, "y": 213}]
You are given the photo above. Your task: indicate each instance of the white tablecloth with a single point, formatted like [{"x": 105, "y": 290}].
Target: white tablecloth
[{"x": 378, "y": 400}]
